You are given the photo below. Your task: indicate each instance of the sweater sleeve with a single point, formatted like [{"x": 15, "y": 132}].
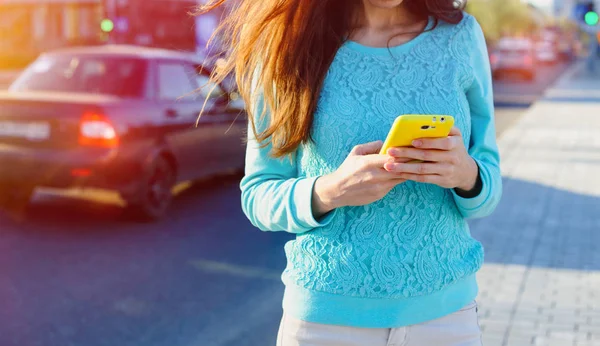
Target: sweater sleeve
[
  {"x": 482, "y": 146},
  {"x": 274, "y": 197}
]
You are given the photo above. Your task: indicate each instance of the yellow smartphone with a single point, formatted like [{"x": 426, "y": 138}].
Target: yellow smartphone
[{"x": 407, "y": 128}]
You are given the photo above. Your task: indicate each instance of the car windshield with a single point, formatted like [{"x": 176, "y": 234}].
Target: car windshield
[{"x": 116, "y": 76}]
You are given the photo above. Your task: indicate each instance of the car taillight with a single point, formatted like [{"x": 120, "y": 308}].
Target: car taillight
[
  {"x": 95, "y": 130},
  {"x": 81, "y": 172}
]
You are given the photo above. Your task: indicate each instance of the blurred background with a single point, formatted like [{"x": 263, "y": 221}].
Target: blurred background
[{"x": 121, "y": 221}]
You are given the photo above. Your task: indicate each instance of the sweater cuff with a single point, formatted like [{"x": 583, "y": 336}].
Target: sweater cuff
[
  {"x": 475, "y": 191},
  {"x": 303, "y": 192},
  {"x": 468, "y": 200}
]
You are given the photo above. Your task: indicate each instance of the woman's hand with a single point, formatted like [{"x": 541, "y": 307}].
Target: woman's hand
[
  {"x": 360, "y": 180},
  {"x": 446, "y": 162}
]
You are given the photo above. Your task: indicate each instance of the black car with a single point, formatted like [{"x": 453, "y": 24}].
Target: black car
[{"x": 118, "y": 117}]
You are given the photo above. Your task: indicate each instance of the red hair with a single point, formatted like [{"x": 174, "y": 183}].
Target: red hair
[{"x": 288, "y": 46}]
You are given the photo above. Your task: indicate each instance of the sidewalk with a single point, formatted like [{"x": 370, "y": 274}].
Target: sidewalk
[{"x": 541, "y": 281}]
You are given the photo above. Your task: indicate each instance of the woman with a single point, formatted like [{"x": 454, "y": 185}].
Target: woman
[{"x": 383, "y": 254}]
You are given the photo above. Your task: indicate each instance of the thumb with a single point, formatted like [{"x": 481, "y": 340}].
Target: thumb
[
  {"x": 455, "y": 131},
  {"x": 367, "y": 148}
]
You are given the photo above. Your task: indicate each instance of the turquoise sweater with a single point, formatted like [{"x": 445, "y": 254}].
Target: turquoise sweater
[{"x": 409, "y": 257}]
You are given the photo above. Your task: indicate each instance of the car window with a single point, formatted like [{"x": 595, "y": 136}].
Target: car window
[
  {"x": 175, "y": 81},
  {"x": 207, "y": 88},
  {"x": 116, "y": 76}
]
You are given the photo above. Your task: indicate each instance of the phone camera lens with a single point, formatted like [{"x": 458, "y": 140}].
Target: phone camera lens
[{"x": 443, "y": 119}]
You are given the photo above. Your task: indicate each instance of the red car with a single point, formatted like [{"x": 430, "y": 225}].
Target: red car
[{"x": 513, "y": 56}]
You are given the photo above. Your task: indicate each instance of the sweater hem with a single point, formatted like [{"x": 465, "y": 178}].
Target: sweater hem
[{"x": 327, "y": 308}]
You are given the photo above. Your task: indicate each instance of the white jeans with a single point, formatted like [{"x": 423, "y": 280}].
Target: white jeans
[{"x": 457, "y": 329}]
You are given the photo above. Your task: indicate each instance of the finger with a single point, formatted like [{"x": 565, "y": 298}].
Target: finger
[
  {"x": 400, "y": 159},
  {"x": 376, "y": 160},
  {"x": 423, "y": 178},
  {"x": 417, "y": 168},
  {"x": 419, "y": 154},
  {"x": 380, "y": 175},
  {"x": 455, "y": 131},
  {"x": 367, "y": 148},
  {"x": 444, "y": 143}
]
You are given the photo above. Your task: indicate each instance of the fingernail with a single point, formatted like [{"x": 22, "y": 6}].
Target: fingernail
[{"x": 417, "y": 143}]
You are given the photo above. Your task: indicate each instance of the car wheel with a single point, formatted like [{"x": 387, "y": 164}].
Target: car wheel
[{"x": 155, "y": 193}]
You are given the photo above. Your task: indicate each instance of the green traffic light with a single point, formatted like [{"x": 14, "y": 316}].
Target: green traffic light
[
  {"x": 591, "y": 18},
  {"x": 107, "y": 25}
]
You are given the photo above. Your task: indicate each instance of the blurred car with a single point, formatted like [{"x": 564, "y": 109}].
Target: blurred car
[
  {"x": 546, "y": 53},
  {"x": 513, "y": 56},
  {"x": 563, "y": 40},
  {"x": 118, "y": 117},
  {"x": 567, "y": 48}
]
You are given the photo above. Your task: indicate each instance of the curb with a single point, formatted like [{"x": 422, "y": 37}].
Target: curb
[
  {"x": 515, "y": 101},
  {"x": 560, "y": 91}
]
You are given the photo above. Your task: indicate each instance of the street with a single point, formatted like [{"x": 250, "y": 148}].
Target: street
[
  {"x": 77, "y": 272},
  {"x": 204, "y": 276},
  {"x": 121, "y": 157},
  {"x": 518, "y": 93}
]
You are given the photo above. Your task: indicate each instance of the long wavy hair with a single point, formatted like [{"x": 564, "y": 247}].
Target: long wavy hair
[{"x": 281, "y": 50}]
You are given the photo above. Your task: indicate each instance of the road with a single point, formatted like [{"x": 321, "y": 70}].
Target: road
[
  {"x": 518, "y": 93},
  {"x": 78, "y": 273}
]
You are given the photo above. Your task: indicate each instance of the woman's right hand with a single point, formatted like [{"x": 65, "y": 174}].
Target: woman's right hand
[{"x": 360, "y": 180}]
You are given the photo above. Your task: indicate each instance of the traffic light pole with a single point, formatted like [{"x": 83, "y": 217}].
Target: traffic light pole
[
  {"x": 586, "y": 16},
  {"x": 593, "y": 45}
]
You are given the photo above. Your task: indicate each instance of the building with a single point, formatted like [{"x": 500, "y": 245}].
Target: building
[
  {"x": 29, "y": 27},
  {"x": 161, "y": 23}
]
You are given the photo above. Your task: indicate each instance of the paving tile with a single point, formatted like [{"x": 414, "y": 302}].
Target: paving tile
[{"x": 540, "y": 284}]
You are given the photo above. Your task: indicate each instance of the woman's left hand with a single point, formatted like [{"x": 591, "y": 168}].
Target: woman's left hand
[{"x": 446, "y": 162}]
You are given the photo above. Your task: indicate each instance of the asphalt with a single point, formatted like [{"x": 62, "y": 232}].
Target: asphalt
[
  {"x": 79, "y": 273},
  {"x": 516, "y": 93}
]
